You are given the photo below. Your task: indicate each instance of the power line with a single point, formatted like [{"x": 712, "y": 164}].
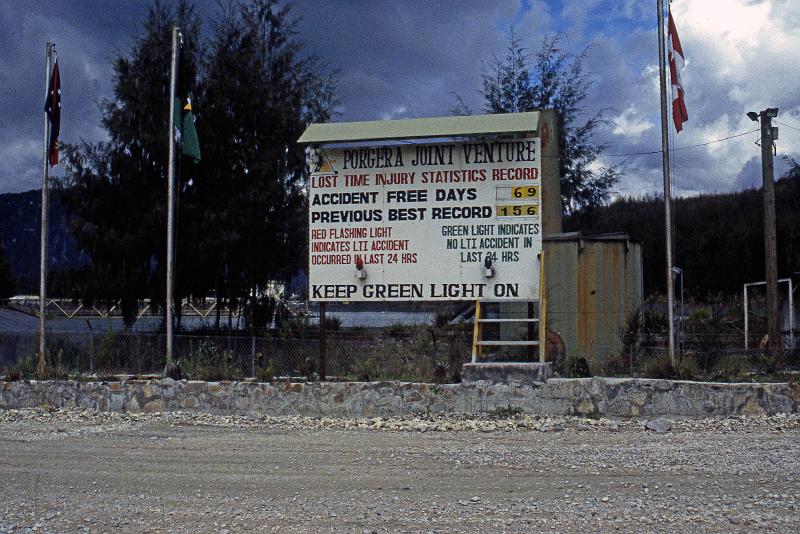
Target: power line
[
  {"x": 682, "y": 147},
  {"x": 788, "y": 126}
]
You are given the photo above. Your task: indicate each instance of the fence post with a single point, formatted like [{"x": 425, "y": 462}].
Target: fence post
[
  {"x": 322, "y": 341},
  {"x": 91, "y": 348},
  {"x": 253, "y": 354}
]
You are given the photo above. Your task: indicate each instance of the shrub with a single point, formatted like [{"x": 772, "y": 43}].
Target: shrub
[
  {"x": 632, "y": 331},
  {"x": 56, "y": 370},
  {"x": 572, "y": 366},
  {"x": 442, "y": 319},
  {"x": 308, "y": 369},
  {"x": 23, "y": 369},
  {"x": 366, "y": 369},
  {"x": 686, "y": 367},
  {"x": 614, "y": 364},
  {"x": 209, "y": 363},
  {"x": 266, "y": 373},
  {"x": 731, "y": 368},
  {"x": 440, "y": 373},
  {"x": 397, "y": 330},
  {"x": 768, "y": 362},
  {"x": 11, "y": 374},
  {"x": 660, "y": 366},
  {"x": 455, "y": 358},
  {"x": 104, "y": 353},
  {"x": 392, "y": 359},
  {"x": 333, "y": 324},
  {"x": 296, "y": 327}
]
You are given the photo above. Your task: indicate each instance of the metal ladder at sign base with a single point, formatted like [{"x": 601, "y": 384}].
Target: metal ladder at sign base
[
  {"x": 478, "y": 343},
  {"x": 477, "y": 334}
]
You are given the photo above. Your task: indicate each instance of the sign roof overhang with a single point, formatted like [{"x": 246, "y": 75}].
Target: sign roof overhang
[{"x": 434, "y": 127}]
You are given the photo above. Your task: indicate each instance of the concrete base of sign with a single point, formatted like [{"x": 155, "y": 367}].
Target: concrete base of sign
[{"x": 507, "y": 372}]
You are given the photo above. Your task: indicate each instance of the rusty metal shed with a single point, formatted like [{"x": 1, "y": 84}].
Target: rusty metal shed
[{"x": 593, "y": 284}]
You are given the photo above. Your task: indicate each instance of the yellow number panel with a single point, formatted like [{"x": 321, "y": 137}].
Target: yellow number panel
[
  {"x": 527, "y": 191},
  {"x": 517, "y": 210}
]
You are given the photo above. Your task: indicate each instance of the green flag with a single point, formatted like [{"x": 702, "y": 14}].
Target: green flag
[{"x": 187, "y": 133}]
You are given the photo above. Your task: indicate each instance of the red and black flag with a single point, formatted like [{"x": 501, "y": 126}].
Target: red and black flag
[{"x": 52, "y": 107}]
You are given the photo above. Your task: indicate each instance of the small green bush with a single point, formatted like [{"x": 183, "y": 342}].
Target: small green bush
[
  {"x": 572, "y": 366},
  {"x": 440, "y": 373},
  {"x": 660, "y": 366},
  {"x": 366, "y": 370},
  {"x": 266, "y": 373},
  {"x": 767, "y": 362},
  {"x": 56, "y": 370},
  {"x": 209, "y": 363},
  {"x": 397, "y": 330},
  {"x": 613, "y": 364},
  {"x": 731, "y": 368},
  {"x": 455, "y": 358},
  {"x": 24, "y": 369},
  {"x": 104, "y": 352},
  {"x": 296, "y": 327},
  {"x": 442, "y": 319},
  {"x": 333, "y": 324}
]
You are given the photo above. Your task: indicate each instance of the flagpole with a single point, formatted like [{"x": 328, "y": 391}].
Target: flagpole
[
  {"x": 667, "y": 193},
  {"x": 171, "y": 200},
  {"x": 43, "y": 244}
]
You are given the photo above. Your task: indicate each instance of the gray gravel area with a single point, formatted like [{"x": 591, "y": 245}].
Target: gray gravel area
[{"x": 80, "y": 471}]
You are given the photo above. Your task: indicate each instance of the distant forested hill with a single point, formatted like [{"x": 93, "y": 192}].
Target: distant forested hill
[
  {"x": 20, "y": 220},
  {"x": 719, "y": 239}
]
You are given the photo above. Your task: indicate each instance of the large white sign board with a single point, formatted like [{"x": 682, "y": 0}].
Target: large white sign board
[{"x": 424, "y": 220}]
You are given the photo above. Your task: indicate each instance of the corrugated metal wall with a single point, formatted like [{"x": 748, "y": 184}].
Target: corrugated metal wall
[{"x": 593, "y": 285}]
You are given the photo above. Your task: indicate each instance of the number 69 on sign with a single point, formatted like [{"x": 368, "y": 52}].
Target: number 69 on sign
[
  {"x": 519, "y": 192},
  {"x": 529, "y": 191}
]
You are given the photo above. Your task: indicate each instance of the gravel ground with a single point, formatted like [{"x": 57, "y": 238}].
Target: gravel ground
[{"x": 74, "y": 471}]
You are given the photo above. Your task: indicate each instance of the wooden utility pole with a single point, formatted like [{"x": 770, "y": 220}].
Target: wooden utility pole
[{"x": 768, "y": 136}]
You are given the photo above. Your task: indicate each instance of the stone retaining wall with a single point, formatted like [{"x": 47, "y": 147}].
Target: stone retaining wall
[{"x": 612, "y": 397}]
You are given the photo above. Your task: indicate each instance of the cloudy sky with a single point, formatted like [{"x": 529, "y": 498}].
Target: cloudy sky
[{"x": 405, "y": 59}]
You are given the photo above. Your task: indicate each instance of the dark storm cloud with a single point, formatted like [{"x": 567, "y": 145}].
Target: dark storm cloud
[
  {"x": 402, "y": 60},
  {"x": 408, "y": 56},
  {"x": 85, "y": 41},
  {"x": 406, "y": 59}
]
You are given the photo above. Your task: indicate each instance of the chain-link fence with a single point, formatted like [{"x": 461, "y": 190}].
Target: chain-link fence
[
  {"x": 648, "y": 361},
  {"x": 405, "y": 353},
  {"x": 413, "y": 353}
]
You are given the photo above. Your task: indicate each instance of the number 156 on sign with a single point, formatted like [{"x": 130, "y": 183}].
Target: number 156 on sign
[{"x": 517, "y": 210}]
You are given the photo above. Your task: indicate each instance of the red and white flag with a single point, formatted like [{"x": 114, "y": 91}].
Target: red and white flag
[{"x": 676, "y": 65}]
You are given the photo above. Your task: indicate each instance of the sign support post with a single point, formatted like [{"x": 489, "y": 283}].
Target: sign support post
[{"x": 322, "y": 343}]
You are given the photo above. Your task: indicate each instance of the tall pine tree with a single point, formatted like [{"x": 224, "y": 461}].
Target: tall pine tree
[
  {"x": 259, "y": 95},
  {"x": 7, "y": 282},
  {"x": 241, "y": 218},
  {"x": 557, "y": 81},
  {"x": 115, "y": 190}
]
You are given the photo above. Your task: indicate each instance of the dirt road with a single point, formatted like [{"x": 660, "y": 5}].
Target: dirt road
[{"x": 82, "y": 473}]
